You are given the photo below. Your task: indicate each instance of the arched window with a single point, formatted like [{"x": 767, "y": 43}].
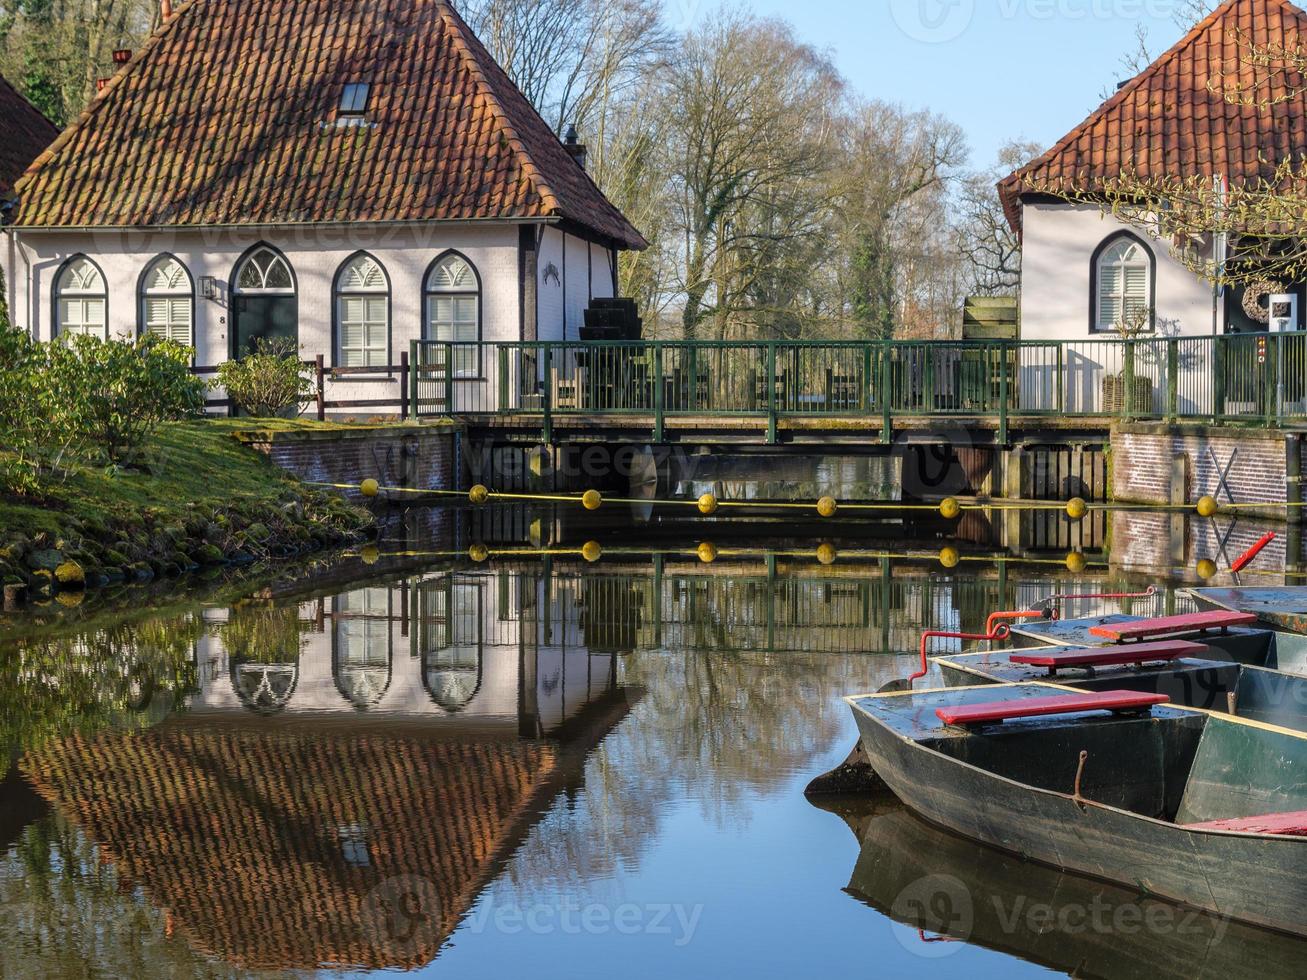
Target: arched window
[
  {"x": 264, "y": 271},
  {"x": 453, "y": 309},
  {"x": 167, "y": 302},
  {"x": 264, "y": 309},
  {"x": 1123, "y": 285},
  {"x": 81, "y": 299},
  {"x": 362, "y": 314},
  {"x": 362, "y": 645}
]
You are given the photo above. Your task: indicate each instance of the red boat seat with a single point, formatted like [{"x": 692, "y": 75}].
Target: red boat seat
[
  {"x": 1278, "y": 824},
  {"x": 1136, "y": 653},
  {"x": 1062, "y": 704},
  {"x": 1142, "y": 629}
]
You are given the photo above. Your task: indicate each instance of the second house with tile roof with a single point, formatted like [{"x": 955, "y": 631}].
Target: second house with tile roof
[
  {"x": 1084, "y": 271},
  {"x": 350, "y": 176}
]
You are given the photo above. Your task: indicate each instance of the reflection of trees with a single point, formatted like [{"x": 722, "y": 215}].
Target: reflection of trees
[
  {"x": 65, "y": 912},
  {"x": 121, "y": 674},
  {"x": 714, "y": 728}
]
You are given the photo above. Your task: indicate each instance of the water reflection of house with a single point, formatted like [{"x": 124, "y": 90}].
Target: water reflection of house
[
  {"x": 387, "y": 752},
  {"x": 491, "y": 650}
]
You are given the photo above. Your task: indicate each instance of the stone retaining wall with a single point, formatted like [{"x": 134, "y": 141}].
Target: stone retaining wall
[
  {"x": 1154, "y": 463},
  {"x": 421, "y": 456}
]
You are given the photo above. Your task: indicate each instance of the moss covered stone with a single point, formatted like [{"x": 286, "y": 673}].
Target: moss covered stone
[{"x": 70, "y": 574}]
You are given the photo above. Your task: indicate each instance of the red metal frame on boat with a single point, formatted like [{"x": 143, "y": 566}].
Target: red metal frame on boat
[
  {"x": 1015, "y": 615},
  {"x": 1002, "y": 633}
]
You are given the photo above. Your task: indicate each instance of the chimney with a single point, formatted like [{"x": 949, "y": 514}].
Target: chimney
[
  {"x": 122, "y": 56},
  {"x": 165, "y": 10},
  {"x": 576, "y": 150}
]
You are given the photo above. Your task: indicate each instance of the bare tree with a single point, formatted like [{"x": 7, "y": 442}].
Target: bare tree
[
  {"x": 985, "y": 240},
  {"x": 896, "y": 167},
  {"x": 572, "y": 58},
  {"x": 751, "y": 126},
  {"x": 55, "y": 50}
]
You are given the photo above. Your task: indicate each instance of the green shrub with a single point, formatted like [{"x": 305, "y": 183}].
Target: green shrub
[
  {"x": 25, "y": 436},
  {"x": 268, "y": 382},
  {"x": 116, "y": 392}
]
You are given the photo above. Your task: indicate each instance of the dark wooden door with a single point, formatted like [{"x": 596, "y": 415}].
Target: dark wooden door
[{"x": 264, "y": 317}]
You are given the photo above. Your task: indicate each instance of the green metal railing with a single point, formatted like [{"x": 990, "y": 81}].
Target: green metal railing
[{"x": 1250, "y": 378}]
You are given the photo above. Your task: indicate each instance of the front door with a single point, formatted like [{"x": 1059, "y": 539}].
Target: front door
[
  {"x": 264, "y": 317},
  {"x": 264, "y": 303}
]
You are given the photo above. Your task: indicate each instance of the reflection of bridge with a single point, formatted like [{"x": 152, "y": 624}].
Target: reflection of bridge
[{"x": 853, "y": 392}]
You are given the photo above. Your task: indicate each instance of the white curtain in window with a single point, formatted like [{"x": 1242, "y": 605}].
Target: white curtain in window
[
  {"x": 363, "y": 314},
  {"x": 453, "y": 311},
  {"x": 166, "y": 302},
  {"x": 1124, "y": 284},
  {"x": 81, "y": 299}
]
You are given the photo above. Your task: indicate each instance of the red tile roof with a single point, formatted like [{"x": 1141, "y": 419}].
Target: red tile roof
[
  {"x": 229, "y": 115},
  {"x": 26, "y": 134},
  {"x": 237, "y": 832},
  {"x": 1168, "y": 122}
]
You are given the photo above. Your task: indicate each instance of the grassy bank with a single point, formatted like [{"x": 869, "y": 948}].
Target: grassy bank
[{"x": 201, "y": 498}]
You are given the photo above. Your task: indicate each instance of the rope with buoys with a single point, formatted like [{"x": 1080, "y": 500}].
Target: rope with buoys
[{"x": 708, "y": 504}]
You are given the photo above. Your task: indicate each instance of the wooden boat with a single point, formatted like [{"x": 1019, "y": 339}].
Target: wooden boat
[
  {"x": 951, "y": 888},
  {"x": 1281, "y": 609},
  {"x": 1203, "y": 809},
  {"x": 1235, "y": 671}
]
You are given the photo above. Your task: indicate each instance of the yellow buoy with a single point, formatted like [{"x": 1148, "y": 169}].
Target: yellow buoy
[
  {"x": 826, "y": 553},
  {"x": 369, "y": 487},
  {"x": 949, "y": 557},
  {"x": 370, "y": 554},
  {"x": 707, "y": 552},
  {"x": 1076, "y": 562},
  {"x": 949, "y": 509},
  {"x": 591, "y": 551},
  {"x": 1076, "y": 508},
  {"x": 479, "y": 494},
  {"x": 592, "y": 500},
  {"x": 707, "y": 504},
  {"x": 827, "y": 507},
  {"x": 478, "y": 552},
  {"x": 1207, "y": 507},
  {"x": 1207, "y": 569}
]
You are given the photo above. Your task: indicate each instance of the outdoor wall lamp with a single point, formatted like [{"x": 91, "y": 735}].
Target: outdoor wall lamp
[{"x": 208, "y": 287}]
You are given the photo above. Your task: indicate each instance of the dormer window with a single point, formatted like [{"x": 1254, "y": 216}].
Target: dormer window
[{"x": 354, "y": 100}]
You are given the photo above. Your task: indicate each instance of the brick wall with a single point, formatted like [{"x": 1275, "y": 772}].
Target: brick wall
[
  {"x": 1143, "y": 455},
  {"x": 1163, "y": 543},
  {"x": 419, "y": 456}
]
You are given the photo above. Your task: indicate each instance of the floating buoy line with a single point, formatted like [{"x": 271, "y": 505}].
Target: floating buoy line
[{"x": 950, "y": 508}]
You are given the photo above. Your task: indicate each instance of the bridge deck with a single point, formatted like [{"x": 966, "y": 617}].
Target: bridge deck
[{"x": 749, "y": 429}]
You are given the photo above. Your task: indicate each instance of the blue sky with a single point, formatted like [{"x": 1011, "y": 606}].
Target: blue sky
[{"x": 1002, "y": 69}]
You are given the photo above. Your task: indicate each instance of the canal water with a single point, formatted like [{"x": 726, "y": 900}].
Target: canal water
[{"x": 540, "y": 765}]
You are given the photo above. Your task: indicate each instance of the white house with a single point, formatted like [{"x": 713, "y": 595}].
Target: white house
[
  {"x": 1082, "y": 269},
  {"x": 349, "y": 175}
]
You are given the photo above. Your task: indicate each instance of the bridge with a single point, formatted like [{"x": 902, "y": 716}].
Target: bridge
[{"x": 831, "y": 393}]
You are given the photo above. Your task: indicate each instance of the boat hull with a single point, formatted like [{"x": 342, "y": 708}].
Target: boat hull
[
  {"x": 930, "y": 879},
  {"x": 1259, "y": 880}
]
